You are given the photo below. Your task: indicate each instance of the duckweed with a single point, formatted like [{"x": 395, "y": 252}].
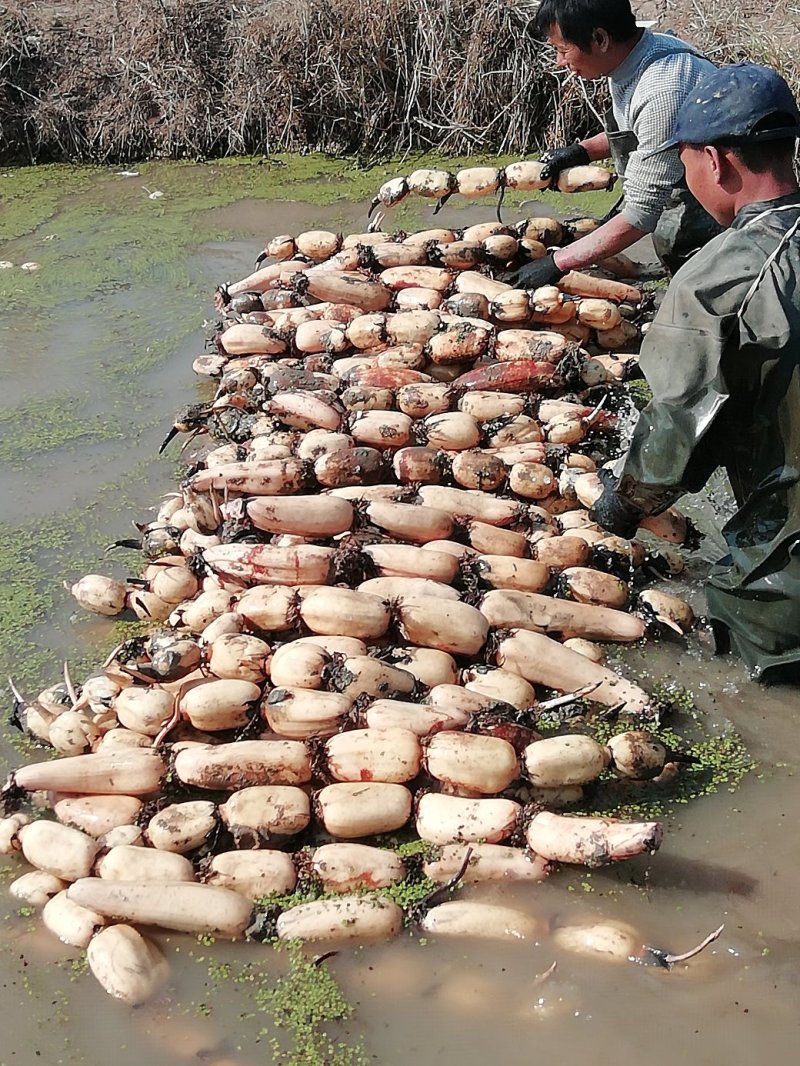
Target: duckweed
[
  {"x": 405, "y": 894},
  {"x": 41, "y": 425},
  {"x": 304, "y": 1003},
  {"x": 720, "y": 758},
  {"x": 639, "y": 392},
  {"x": 305, "y": 1007}
]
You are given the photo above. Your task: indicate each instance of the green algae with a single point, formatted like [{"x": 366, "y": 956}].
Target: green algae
[
  {"x": 41, "y": 425},
  {"x": 32, "y": 195},
  {"x": 303, "y": 1010}
]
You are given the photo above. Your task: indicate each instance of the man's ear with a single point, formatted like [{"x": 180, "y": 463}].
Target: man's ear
[
  {"x": 601, "y": 39},
  {"x": 717, "y": 161}
]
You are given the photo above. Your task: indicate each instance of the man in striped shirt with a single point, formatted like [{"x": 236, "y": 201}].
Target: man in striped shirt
[{"x": 649, "y": 76}]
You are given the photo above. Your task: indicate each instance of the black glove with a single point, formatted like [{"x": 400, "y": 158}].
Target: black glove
[
  {"x": 535, "y": 274},
  {"x": 558, "y": 159},
  {"x": 613, "y": 511}
]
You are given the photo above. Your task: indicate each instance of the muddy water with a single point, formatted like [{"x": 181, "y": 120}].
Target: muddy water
[{"x": 94, "y": 355}]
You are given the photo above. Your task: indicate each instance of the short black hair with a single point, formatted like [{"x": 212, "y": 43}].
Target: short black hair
[
  {"x": 762, "y": 156},
  {"x": 578, "y": 19},
  {"x": 765, "y": 156}
]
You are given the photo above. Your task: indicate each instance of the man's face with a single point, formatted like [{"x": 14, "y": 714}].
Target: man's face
[
  {"x": 589, "y": 64},
  {"x": 702, "y": 167}
]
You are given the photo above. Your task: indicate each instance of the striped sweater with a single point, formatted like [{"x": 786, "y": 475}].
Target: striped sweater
[{"x": 647, "y": 89}]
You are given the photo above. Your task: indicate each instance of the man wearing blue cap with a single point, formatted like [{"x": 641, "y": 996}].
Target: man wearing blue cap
[{"x": 723, "y": 361}]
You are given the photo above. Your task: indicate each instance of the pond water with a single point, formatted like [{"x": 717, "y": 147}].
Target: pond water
[{"x": 95, "y": 354}]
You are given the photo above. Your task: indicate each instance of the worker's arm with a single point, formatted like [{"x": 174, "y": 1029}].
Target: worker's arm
[
  {"x": 609, "y": 239},
  {"x": 597, "y": 147},
  {"x": 682, "y": 358},
  {"x": 651, "y": 173}
]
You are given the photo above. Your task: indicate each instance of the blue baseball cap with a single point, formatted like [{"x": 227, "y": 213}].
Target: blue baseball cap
[{"x": 727, "y": 105}]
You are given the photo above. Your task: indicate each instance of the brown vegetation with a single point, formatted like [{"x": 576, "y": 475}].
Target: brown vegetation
[
  {"x": 732, "y": 31},
  {"x": 144, "y": 78},
  {"x": 121, "y": 80}
]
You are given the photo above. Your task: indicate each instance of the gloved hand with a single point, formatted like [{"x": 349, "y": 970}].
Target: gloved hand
[
  {"x": 612, "y": 510},
  {"x": 558, "y": 159},
  {"x": 535, "y": 274}
]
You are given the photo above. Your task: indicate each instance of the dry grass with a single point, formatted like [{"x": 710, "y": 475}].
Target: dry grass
[
  {"x": 736, "y": 30},
  {"x": 147, "y": 78},
  {"x": 121, "y": 80}
]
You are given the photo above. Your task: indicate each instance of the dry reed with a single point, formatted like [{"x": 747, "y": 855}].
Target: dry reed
[{"x": 120, "y": 80}]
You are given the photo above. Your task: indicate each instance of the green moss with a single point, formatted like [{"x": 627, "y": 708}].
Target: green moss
[
  {"x": 303, "y": 1009},
  {"x": 304, "y": 1003},
  {"x": 38, "y": 426},
  {"x": 32, "y": 195}
]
